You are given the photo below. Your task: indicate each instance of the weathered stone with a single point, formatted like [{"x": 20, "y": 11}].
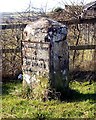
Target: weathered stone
[{"x": 45, "y": 57}]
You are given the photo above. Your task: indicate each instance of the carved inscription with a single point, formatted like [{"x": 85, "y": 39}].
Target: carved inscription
[{"x": 36, "y": 57}]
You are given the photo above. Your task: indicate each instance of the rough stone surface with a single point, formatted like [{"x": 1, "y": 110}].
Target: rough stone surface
[{"x": 45, "y": 56}]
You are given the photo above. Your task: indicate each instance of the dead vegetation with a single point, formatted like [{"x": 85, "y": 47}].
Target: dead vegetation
[{"x": 78, "y": 34}]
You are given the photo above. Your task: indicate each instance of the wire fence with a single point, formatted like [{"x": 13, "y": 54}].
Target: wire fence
[{"x": 81, "y": 39}]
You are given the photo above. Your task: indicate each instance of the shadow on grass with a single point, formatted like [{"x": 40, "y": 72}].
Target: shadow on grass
[
  {"x": 70, "y": 95},
  {"x": 73, "y": 95},
  {"x": 7, "y": 87}
]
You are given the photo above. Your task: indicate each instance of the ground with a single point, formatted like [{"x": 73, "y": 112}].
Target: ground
[{"x": 79, "y": 103}]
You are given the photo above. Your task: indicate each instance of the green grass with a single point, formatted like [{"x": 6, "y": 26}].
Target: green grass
[{"x": 78, "y": 103}]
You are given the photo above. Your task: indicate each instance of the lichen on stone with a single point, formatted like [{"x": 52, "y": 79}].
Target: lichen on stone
[{"x": 45, "y": 56}]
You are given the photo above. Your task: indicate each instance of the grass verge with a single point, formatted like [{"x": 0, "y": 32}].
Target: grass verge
[{"x": 78, "y": 103}]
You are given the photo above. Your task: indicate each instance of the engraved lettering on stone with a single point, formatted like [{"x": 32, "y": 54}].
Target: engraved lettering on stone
[{"x": 47, "y": 52}]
